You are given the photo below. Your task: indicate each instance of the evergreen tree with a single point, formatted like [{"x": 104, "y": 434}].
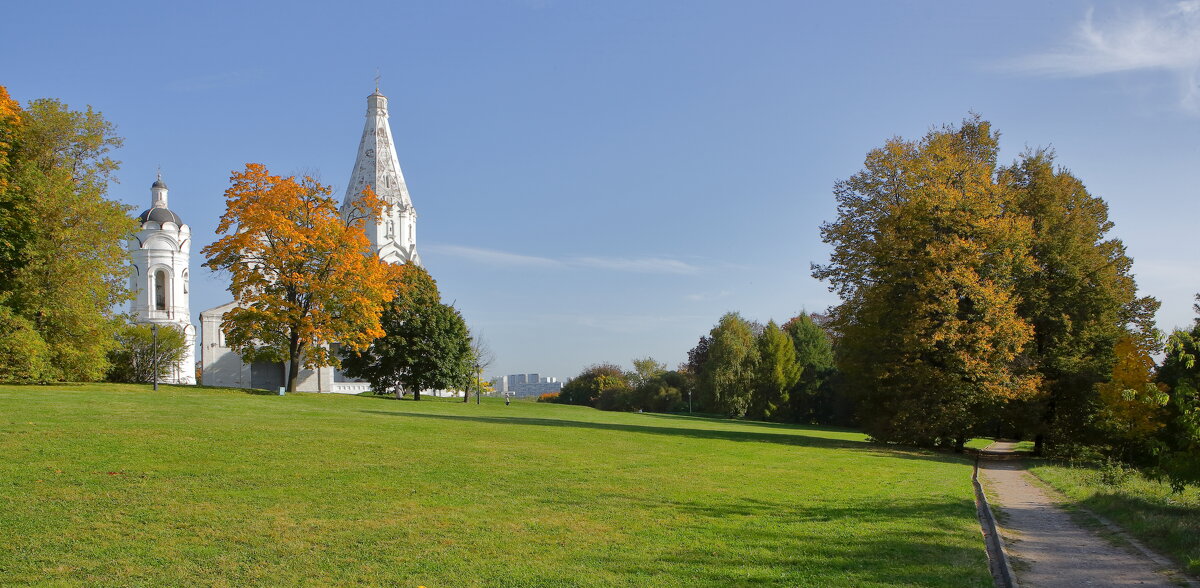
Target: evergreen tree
[
  {"x": 777, "y": 372},
  {"x": 812, "y": 399}
]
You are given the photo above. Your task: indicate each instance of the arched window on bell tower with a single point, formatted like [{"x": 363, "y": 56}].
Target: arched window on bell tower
[{"x": 160, "y": 290}]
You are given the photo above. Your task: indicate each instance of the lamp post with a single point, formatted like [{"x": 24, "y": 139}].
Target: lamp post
[
  {"x": 689, "y": 401},
  {"x": 478, "y": 383},
  {"x": 154, "y": 354}
]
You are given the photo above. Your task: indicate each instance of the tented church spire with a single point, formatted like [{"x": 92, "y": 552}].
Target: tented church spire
[{"x": 394, "y": 234}]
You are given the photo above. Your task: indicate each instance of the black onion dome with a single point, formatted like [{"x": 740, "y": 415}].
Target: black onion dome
[
  {"x": 160, "y": 215},
  {"x": 159, "y": 184}
]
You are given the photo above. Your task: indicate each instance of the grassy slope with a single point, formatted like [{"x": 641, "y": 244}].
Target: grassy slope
[
  {"x": 1147, "y": 509},
  {"x": 116, "y": 484}
]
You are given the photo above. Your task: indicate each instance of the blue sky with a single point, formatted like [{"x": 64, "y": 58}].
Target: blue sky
[{"x": 598, "y": 181}]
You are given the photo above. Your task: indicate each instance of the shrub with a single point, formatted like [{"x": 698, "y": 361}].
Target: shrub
[
  {"x": 23, "y": 353},
  {"x": 138, "y": 355},
  {"x": 585, "y": 388},
  {"x": 548, "y": 397},
  {"x": 615, "y": 398}
]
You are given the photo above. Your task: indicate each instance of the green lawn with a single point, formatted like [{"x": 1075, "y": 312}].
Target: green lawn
[
  {"x": 1166, "y": 521},
  {"x": 107, "y": 484}
]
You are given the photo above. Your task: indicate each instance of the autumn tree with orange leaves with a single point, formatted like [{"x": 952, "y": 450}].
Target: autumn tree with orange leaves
[{"x": 302, "y": 274}]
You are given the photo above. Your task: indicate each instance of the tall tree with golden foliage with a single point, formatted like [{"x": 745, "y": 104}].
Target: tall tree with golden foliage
[
  {"x": 302, "y": 275},
  {"x": 927, "y": 248}
]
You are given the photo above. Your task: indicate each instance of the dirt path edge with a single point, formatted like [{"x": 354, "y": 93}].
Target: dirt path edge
[{"x": 998, "y": 560}]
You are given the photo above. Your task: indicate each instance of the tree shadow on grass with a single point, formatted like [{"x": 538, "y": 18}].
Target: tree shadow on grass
[
  {"x": 715, "y": 418},
  {"x": 796, "y": 438}
]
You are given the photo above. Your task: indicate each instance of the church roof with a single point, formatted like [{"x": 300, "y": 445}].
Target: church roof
[
  {"x": 376, "y": 164},
  {"x": 158, "y": 183},
  {"x": 160, "y": 215}
]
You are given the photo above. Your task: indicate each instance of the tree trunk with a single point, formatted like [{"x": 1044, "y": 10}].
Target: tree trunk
[
  {"x": 294, "y": 351},
  {"x": 1047, "y": 424},
  {"x": 416, "y": 394}
]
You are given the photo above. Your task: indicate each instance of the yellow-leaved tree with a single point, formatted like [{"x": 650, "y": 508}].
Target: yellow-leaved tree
[
  {"x": 303, "y": 276},
  {"x": 1131, "y": 403}
]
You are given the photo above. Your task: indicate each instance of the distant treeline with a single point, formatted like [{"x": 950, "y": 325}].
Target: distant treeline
[{"x": 739, "y": 369}]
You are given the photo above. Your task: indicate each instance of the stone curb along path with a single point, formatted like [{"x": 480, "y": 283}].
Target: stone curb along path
[{"x": 1047, "y": 546}]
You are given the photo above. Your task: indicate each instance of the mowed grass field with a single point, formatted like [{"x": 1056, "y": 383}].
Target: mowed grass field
[{"x": 107, "y": 484}]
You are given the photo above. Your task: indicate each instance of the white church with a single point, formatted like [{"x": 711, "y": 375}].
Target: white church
[{"x": 162, "y": 268}]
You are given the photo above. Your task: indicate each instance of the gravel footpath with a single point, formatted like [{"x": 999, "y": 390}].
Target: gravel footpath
[{"x": 1047, "y": 547}]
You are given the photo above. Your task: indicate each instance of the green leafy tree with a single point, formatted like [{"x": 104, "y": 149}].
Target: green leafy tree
[
  {"x": 645, "y": 370},
  {"x": 15, "y": 217},
  {"x": 777, "y": 373},
  {"x": 139, "y": 356},
  {"x": 926, "y": 251},
  {"x": 662, "y": 393},
  {"x": 426, "y": 344},
  {"x": 1080, "y": 297},
  {"x": 63, "y": 270},
  {"x": 587, "y": 388},
  {"x": 692, "y": 369},
  {"x": 727, "y": 380},
  {"x": 1181, "y": 372},
  {"x": 482, "y": 357}
]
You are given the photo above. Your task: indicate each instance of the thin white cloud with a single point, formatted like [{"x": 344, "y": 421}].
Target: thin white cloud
[
  {"x": 626, "y": 324},
  {"x": 494, "y": 256},
  {"x": 643, "y": 265},
  {"x": 646, "y": 265},
  {"x": 1166, "y": 40}
]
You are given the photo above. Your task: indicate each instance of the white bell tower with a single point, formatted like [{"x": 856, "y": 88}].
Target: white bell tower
[{"x": 160, "y": 252}]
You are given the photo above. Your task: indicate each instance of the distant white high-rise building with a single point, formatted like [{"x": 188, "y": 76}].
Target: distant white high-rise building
[{"x": 526, "y": 384}]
